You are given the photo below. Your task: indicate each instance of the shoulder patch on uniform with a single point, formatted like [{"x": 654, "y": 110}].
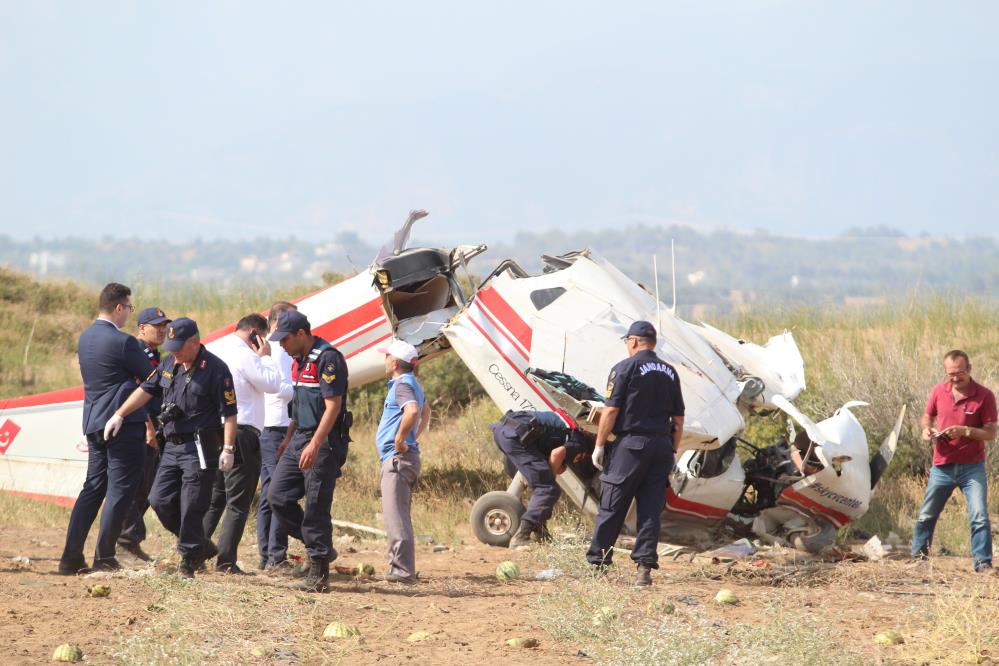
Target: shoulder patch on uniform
[
  {"x": 230, "y": 397},
  {"x": 167, "y": 374},
  {"x": 330, "y": 367},
  {"x": 228, "y": 381},
  {"x": 610, "y": 388},
  {"x": 329, "y": 377}
]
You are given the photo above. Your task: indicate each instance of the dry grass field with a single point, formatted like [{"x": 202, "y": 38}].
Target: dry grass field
[{"x": 792, "y": 610}]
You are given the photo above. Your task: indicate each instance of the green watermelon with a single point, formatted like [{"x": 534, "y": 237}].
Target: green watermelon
[
  {"x": 507, "y": 571},
  {"x": 67, "y": 652}
]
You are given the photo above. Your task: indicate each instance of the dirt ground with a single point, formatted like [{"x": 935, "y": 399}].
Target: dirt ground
[{"x": 467, "y": 611}]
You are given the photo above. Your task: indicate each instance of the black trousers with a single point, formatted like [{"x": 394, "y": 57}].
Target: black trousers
[
  {"x": 182, "y": 491},
  {"x": 289, "y": 484},
  {"x": 113, "y": 470},
  {"x": 233, "y": 494},
  {"x": 533, "y": 464},
  {"x": 134, "y": 528},
  {"x": 638, "y": 469}
]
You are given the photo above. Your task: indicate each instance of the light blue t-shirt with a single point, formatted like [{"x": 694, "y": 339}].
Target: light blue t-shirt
[{"x": 392, "y": 414}]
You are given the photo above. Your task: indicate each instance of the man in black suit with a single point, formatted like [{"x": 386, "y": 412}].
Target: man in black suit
[{"x": 112, "y": 365}]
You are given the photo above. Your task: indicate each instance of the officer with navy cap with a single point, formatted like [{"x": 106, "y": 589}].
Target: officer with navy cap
[
  {"x": 197, "y": 391},
  {"x": 152, "y": 323},
  {"x": 644, "y": 411},
  {"x": 315, "y": 446},
  {"x": 539, "y": 444}
]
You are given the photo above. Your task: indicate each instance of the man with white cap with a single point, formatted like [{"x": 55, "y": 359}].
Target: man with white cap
[{"x": 405, "y": 417}]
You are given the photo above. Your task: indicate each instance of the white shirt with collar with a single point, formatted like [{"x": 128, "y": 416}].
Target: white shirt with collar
[
  {"x": 252, "y": 377},
  {"x": 276, "y": 402}
]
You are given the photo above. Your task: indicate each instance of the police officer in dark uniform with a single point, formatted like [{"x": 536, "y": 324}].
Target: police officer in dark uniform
[
  {"x": 111, "y": 365},
  {"x": 539, "y": 444},
  {"x": 644, "y": 410},
  {"x": 315, "y": 446},
  {"x": 152, "y": 323},
  {"x": 197, "y": 391}
]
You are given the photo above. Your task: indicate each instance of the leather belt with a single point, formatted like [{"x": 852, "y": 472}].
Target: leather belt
[{"x": 252, "y": 429}]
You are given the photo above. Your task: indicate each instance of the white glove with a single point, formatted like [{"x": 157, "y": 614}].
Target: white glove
[
  {"x": 598, "y": 458},
  {"x": 113, "y": 425},
  {"x": 226, "y": 460}
]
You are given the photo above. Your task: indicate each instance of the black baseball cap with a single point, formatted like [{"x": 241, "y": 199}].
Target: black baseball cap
[
  {"x": 152, "y": 316},
  {"x": 290, "y": 321},
  {"x": 178, "y": 332},
  {"x": 640, "y": 329}
]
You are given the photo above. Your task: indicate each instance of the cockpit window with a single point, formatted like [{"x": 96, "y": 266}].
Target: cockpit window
[{"x": 542, "y": 298}]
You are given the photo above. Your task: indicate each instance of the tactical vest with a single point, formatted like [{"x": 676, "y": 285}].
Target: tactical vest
[{"x": 307, "y": 404}]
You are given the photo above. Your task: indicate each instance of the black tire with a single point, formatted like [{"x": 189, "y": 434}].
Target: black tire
[{"x": 496, "y": 517}]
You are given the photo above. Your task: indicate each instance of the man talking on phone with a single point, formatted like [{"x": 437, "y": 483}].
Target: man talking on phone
[
  {"x": 960, "y": 417},
  {"x": 254, "y": 373}
]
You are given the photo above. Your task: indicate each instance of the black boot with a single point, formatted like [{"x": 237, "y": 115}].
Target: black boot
[
  {"x": 542, "y": 534},
  {"x": 644, "y": 577},
  {"x": 318, "y": 579},
  {"x": 187, "y": 567},
  {"x": 523, "y": 534}
]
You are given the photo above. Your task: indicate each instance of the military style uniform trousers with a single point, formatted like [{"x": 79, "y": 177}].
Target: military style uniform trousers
[
  {"x": 289, "y": 484},
  {"x": 638, "y": 469},
  {"x": 233, "y": 493},
  {"x": 134, "y": 529},
  {"x": 533, "y": 465},
  {"x": 182, "y": 491},
  {"x": 113, "y": 470},
  {"x": 272, "y": 540}
]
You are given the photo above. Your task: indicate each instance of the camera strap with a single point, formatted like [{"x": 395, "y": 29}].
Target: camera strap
[{"x": 188, "y": 376}]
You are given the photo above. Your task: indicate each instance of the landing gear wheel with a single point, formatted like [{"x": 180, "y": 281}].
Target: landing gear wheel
[{"x": 496, "y": 517}]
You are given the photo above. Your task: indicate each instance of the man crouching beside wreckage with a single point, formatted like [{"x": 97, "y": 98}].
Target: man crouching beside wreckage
[{"x": 964, "y": 413}]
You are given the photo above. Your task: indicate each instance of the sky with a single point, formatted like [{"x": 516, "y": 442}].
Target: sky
[{"x": 240, "y": 119}]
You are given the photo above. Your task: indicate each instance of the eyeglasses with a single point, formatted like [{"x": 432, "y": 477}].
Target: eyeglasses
[{"x": 131, "y": 308}]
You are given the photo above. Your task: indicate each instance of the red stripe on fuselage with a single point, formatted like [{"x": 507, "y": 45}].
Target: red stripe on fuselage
[
  {"x": 67, "y": 502},
  {"x": 368, "y": 346},
  {"x": 350, "y": 321},
  {"x": 675, "y": 501},
  {"x": 508, "y": 316},
  {"x": 499, "y": 329},
  {"x": 73, "y": 394},
  {"x": 793, "y": 496},
  {"x": 562, "y": 414}
]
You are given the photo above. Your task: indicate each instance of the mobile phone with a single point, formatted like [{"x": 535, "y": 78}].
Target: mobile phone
[{"x": 254, "y": 340}]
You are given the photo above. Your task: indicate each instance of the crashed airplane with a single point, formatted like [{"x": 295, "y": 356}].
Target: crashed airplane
[{"x": 541, "y": 342}]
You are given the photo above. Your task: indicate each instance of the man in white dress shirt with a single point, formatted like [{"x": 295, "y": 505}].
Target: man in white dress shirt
[
  {"x": 254, "y": 373},
  {"x": 272, "y": 540}
]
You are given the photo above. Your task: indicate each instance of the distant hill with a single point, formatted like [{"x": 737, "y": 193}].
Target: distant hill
[{"x": 717, "y": 271}]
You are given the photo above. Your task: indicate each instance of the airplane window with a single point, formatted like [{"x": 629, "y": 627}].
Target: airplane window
[{"x": 542, "y": 298}]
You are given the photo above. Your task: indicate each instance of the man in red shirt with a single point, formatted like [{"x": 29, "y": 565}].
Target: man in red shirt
[{"x": 960, "y": 417}]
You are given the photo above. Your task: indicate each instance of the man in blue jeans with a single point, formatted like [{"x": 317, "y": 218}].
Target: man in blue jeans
[{"x": 960, "y": 417}]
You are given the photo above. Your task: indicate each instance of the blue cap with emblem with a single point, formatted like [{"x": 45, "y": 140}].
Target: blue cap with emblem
[
  {"x": 640, "y": 329},
  {"x": 178, "y": 332},
  {"x": 152, "y": 316},
  {"x": 290, "y": 321}
]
